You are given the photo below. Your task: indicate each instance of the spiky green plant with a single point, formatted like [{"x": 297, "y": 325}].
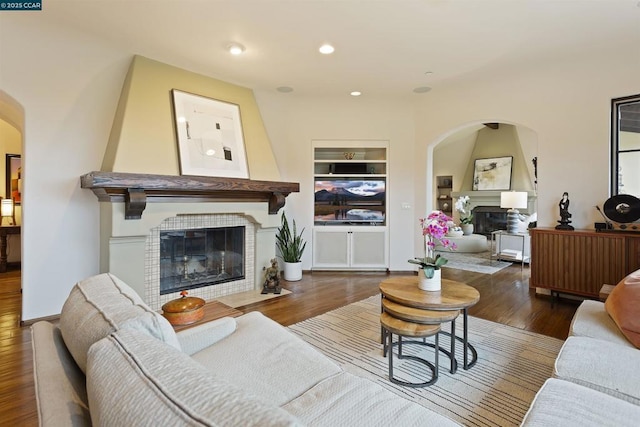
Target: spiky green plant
[{"x": 289, "y": 242}]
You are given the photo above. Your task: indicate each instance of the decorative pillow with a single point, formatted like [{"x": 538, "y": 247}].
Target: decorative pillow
[
  {"x": 103, "y": 304},
  {"x": 623, "y": 305},
  {"x": 134, "y": 379}
]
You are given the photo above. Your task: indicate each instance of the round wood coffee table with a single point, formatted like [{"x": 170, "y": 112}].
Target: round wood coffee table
[{"x": 453, "y": 296}]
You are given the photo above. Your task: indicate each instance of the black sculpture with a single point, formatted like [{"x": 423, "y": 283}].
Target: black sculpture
[{"x": 564, "y": 213}]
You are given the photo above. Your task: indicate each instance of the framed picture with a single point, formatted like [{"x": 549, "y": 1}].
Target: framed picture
[
  {"x": 492, "y": 174},
  {"x": 209, "y": 133},
  {"x": 13, "y": 170}
]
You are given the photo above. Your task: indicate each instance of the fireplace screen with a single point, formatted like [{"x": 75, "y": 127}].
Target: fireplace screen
[{"x": 200, "y": 257}]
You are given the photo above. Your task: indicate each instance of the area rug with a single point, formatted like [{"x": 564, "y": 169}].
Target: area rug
[
  {"x": 512, "y": 364},
  {"x": 477, "y": 262}
]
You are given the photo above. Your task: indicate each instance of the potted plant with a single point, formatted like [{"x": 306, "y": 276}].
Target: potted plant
[
  {"x": 434, "y": 228},
  {"x": 466, "y": 217},
  {"x": 291, "y": 247}
]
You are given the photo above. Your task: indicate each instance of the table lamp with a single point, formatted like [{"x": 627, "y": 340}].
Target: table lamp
[
  {"x": 513, "y": 200},
  {"x": 6, "y": 211}
]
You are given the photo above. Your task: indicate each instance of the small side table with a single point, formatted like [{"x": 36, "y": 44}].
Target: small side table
[
  {"x": 498, "y": 239},
  {"x": 212, "y": 310},
  {"x": 5, "y": 231}
]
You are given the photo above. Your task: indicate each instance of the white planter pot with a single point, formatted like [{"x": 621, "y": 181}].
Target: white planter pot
[
  {"x": 432, "y": 285},
  {"x": 292, "y": 271},
  {"x": 467, "y": 229}
]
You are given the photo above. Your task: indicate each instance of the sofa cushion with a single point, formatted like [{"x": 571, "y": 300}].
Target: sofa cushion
[
  {"x": 282, "y": 365},
  {"x": 206, "y": 334},
  {"x": 61, "y": 394},
  {"x": 602, "y": 366},
  {"x": 563, "y": 403},
  {"x": 348, "y": 400},
  {"x": 102, "y": 304},
  {"x": 592, "y": 320},
  {"x": 623, "y": 305},
  {"x": 134, "y": 379}
]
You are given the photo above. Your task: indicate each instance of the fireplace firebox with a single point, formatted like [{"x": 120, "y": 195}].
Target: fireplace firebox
[
  {"x": 487, "y": 219},
  {"x": 201, "y": 257}
]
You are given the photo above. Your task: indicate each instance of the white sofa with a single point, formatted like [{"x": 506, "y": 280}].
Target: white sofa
[
  {"x": 112, "y": 361},
  {"x": 596, "y": 378}
]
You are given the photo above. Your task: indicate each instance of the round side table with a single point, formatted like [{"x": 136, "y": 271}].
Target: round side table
[{"x": 403, "y": 290}]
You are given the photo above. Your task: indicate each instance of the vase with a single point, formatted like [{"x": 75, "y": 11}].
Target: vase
[
  {"x": 433, "y": 284},
  {"x": 292, "y": 271},
  {"x": 467, "y": 229}
]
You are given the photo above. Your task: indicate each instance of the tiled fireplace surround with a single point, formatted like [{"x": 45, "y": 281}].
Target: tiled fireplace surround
[
  {"x": 130, "y": 247},
  {"x": 186, "y": 222}
]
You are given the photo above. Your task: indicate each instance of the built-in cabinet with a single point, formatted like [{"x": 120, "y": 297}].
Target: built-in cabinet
[
  {"x": 358, "y": 248},
  {"x": 350, "y": 205},
  {"x": 581, "y": 261},
  {"x": 444, "y": 199}
]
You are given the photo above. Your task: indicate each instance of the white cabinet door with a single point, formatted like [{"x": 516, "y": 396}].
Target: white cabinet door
[
  {"x": 342, "y": 248},
  {"x": 368, "y": 248},
  {"x": 330, "y": 247}
]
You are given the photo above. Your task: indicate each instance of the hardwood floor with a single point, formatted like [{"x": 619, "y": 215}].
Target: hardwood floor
[{"x": 505, "y": 297}]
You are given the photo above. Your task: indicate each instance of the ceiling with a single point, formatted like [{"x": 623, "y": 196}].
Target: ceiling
[{"x": 383, "y": 47}]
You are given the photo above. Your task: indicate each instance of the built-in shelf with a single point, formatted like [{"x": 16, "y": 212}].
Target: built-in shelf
[{"x": 138, "y": 189}]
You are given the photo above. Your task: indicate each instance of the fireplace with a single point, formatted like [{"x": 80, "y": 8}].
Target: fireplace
[
  {"x": 489, "y": 218},
  {"x": 194, "y": 258},
  {"x": 220, "y": 252},
  {"x": 138, "y": 208}
]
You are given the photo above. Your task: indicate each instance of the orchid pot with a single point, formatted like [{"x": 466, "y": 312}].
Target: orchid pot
[{"x": 434, "y": 228}]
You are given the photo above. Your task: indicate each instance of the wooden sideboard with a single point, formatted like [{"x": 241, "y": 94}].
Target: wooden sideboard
[{"x": 581, "y": 261}]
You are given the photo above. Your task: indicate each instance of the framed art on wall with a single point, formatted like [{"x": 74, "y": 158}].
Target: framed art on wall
[
  {"x": 13, "y": 170},
  {"x": 492, "y": 174},
  {"x": 210, "y": 139}
]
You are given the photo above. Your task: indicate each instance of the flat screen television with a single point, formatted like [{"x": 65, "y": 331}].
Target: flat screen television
[{"x": 350, "y": 201}]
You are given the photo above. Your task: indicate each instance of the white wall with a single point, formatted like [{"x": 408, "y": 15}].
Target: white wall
[
  {"x": 68, "y": 85},
  {"x": 292, "y": 122}
]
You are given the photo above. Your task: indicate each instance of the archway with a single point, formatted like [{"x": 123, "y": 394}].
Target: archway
[{"x": 453, "y": 155}]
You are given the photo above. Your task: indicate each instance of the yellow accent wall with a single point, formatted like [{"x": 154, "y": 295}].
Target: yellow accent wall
[{"x": 142, "y": 138}]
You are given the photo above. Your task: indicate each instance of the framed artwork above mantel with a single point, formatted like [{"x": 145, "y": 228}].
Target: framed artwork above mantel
[
  {"x": 210, "y": 138},
  {"x": 13, "y": 170},
  {"x": 492, "y": 174}
]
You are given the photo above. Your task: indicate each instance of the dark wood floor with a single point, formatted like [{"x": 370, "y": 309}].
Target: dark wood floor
[{"x": 505, "y": 297}]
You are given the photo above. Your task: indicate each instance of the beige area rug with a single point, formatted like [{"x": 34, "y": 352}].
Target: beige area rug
[
  {"x": 477, "y": 262},
  {"x": 512, "y": 364}
]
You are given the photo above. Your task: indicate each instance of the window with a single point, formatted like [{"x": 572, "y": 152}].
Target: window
[{"x": 625, "y": 146}]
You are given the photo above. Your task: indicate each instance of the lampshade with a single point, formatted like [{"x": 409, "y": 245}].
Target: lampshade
[
  {"x": 513, "y": 199},
  {"x": 6, "y": 210},
  {"x": 6, "y": 207}
]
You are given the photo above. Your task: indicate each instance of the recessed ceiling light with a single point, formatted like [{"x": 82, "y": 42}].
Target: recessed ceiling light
[
  {"x": 235, "y": 49},
  {"x": 422, "y": 89},
  {"x": 428, "y": 72},
  {"x": 326, "y": 49},
  {"x": 284, "y": 89},
  {"x": 355, "y": 93}
]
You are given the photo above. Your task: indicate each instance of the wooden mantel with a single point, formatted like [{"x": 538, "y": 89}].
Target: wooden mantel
[{"x": 138, "y": 189}]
